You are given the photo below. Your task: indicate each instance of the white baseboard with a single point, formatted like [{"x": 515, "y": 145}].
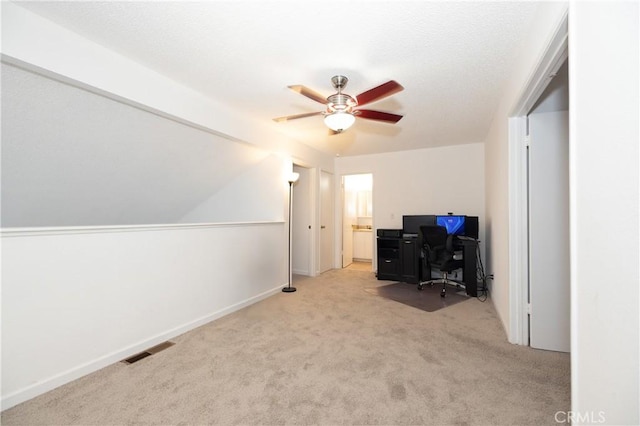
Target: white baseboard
[{"x": 75, "y": 373}]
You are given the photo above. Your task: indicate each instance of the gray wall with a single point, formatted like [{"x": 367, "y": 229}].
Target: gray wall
[{"x": 72, "y": 158}]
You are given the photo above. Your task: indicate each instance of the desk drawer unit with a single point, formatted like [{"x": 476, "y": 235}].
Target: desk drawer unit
[
  {"x": 387, "y": 269},
  {"x": 388, "y": 253}
]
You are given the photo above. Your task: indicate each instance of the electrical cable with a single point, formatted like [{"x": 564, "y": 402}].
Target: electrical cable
[{"x": 483, "y": 290}]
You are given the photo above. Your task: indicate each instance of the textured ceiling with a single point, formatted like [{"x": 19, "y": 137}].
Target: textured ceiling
[{"x": 451, "y": 57}]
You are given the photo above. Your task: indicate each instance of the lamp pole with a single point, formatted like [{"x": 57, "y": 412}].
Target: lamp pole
[{"x": 294, "y": 177}]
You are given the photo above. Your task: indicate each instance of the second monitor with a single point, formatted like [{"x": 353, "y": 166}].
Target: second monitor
[{"x": 455, "y": 224}]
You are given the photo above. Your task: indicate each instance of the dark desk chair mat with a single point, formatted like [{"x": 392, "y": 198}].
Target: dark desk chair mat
[{"x": 427, "y": 300}]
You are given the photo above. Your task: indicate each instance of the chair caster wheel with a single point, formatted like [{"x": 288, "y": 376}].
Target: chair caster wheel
[
  {"x": 443, "y": 293},
  {"x": 420, "y": 287}
]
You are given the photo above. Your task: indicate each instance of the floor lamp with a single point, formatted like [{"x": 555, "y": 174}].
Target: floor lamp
[{"x": 292, "y": 178}]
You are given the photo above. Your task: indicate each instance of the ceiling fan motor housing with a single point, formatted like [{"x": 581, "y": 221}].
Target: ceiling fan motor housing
[{"x": 340, "y": 102}]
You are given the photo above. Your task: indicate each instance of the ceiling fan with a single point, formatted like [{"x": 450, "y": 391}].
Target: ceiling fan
[{"x": 341, "y": 109}]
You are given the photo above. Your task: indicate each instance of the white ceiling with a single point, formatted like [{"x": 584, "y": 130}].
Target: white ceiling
[{"x": 452, "y": 58}]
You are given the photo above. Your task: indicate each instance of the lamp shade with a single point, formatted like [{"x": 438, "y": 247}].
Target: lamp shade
[
  {"x": 293, "y": 177},
  {"x": 339, "y": 120}
]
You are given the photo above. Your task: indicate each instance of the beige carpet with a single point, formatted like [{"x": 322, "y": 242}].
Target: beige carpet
[
  {"x": 360, "y": 266},
  {"x": 328, "y": 354}
]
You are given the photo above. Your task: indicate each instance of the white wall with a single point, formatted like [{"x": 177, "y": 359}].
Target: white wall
[
  {"x": 75, "y": 300},
  {"x": 497, "y": 157},
  {"x": 605, "y": 187},
  {"x": 72, "y": 159},
  {"x": 424, "y": 181},
  {"x": 88, "y": 297}
]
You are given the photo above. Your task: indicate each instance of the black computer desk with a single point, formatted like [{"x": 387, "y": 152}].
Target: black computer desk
[{"x": 469, "y": 247}]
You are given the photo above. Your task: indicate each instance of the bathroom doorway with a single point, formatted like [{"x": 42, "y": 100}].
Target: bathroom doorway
[{"x": 357, "y": 221}]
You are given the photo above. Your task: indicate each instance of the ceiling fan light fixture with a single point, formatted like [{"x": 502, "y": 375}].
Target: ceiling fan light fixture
[
  {"x": 339, "y": 121},
  {"x": 341, "y": 109}
]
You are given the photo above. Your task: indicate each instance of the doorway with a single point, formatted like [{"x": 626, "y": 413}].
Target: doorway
[
  {"x": 312, "y": 222},
  {"x": 548, "y": 212},
  {"x": 357, "y": 221}
]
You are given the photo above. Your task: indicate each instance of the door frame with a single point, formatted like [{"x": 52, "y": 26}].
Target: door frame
[
  {"x": 556, "y": 53},
  {"x": 341, "y": 217},
  {"x": 342, "y": 224}
]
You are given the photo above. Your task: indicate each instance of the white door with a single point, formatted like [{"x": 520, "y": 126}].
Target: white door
[
  {"x": 549, "y": 319},
  {"x": 301, "y": 235},
  {"x": 326, "y": 221}
]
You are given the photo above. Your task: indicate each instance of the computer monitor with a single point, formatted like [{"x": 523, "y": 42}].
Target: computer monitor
[
  {"x": 411, "y": 223},
  {"x": 453, "y": 223}
]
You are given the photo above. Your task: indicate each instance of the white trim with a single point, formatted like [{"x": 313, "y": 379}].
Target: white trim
[
  {"x": 554, "y": 56},
  {"x": 68, "y": 230},
  {"x": 577, "y": 386},
  {"x": 518, "y": 239}
]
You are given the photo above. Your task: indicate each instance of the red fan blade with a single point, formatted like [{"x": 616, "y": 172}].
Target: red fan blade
[
  {"x": 378, "y": 115},
  {"x": 293, "y": 117},
  {"x": 377, "y": 93},
  {"x": 305, "y": 91}
]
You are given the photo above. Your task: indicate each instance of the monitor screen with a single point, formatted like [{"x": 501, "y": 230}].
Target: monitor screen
[
  {"x": 411, "y": 223},
  {"x": 454, "y": 224}
]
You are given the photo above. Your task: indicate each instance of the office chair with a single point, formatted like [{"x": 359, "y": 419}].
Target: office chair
[{"x": 438, "y": 253}]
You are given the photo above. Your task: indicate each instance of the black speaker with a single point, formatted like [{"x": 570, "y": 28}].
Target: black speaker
[
  {"x": 390, "y": 233},
  {"x": 471, "y": 226}
]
